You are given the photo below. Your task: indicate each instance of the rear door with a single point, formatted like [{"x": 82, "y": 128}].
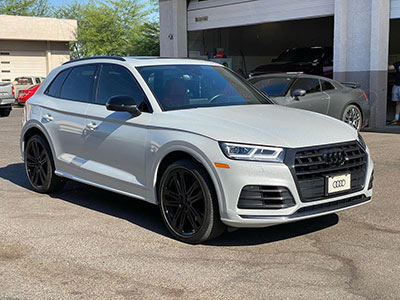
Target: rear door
[
  {"x": 116, "y": 141},
  {"x": 314, "y": 100},
  {"x": 63, "y": 115}
]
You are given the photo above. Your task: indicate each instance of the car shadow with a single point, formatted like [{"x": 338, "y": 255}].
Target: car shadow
[{"x": 147, "y": 215}]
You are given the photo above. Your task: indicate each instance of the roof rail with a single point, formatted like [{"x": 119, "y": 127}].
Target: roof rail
[{"x": 96, "y": 57}]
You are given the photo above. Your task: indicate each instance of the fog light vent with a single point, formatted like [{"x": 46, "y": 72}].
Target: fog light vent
[
  {"x": 371, "y": 181},
  {"x": 265, "y": 197}
]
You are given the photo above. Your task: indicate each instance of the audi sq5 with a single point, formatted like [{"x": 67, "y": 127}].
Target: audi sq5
[{"x": 193, "y": 138}]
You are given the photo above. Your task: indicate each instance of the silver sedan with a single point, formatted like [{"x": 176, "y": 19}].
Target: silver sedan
[{"x": 346, "y": 102}]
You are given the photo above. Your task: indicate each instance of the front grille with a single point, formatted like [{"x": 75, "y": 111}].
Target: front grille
[
  {"x": 265, "y": 197},
  {"x": 310, "y": 168}
]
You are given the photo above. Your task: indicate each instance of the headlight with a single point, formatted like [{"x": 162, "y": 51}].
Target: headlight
[
  {"x": 251, "y": 152},
  {"x": 362, "y": 142}
]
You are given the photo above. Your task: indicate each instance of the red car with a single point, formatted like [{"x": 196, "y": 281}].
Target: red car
[{"x": 24, "y": 95}]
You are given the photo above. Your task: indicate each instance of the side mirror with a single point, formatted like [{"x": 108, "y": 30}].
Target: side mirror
[
  {"x": 123, "y": 103},
  {"x": 298, "y": 93}
]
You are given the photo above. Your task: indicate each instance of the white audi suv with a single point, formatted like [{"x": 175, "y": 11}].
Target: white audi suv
[{"x": 194, "y": 138}]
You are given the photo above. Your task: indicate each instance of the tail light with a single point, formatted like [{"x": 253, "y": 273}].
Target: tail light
[
  {"x": 12, "y": 90},
  {"x": 365, "y": 97}
]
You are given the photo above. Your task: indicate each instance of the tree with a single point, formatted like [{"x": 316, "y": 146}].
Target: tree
[
  {"x": 113, "y": 27},
  {"x": 39, "y": 8}
]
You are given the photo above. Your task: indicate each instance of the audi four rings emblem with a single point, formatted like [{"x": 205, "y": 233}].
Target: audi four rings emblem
[
  {"x": 339, "y": 183},
  {"x": 335, "y": 157}
]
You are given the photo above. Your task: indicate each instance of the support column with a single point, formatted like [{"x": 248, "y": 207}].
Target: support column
[
  {"x": 361, "y": 50},
  {"x": 48, "y": 58},
  {"x": 173, "y": 28}
]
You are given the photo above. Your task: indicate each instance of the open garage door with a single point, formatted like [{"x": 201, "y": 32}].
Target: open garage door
[
  {"x": 228, "y": 13},
  {"x": 22, "y": 63},
  {"x": 248, "y": 47}
]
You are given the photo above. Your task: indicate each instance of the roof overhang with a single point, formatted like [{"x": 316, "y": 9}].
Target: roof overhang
[{"x": 37, "y": 29}]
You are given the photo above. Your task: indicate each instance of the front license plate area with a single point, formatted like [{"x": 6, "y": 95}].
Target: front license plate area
[{"x": 338, "y": 183}]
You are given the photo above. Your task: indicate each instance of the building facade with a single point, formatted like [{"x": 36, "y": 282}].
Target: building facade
[
  {"x": 361, "y": 32},
  {"x": 31, "y": 46}
]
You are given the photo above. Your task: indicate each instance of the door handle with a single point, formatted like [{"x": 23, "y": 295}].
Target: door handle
[
  {"x": 92, "y": 126},
  {"x": 48, "y": 117}
]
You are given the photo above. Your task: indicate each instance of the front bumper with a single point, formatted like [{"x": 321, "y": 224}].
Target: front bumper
[{"x": 243, "y": 173}]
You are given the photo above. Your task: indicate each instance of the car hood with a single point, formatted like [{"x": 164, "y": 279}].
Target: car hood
[{"x": 269, "y": 125}]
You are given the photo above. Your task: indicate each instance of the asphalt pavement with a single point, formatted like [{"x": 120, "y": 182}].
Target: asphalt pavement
[{"x": 85, "y": 243}]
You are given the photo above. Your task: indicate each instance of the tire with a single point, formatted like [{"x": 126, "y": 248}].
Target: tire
[
  {"x": 5, "y": 112},
  {"x": 352, "y": 115},
  {"x": 188, "y": 203},
  {"x": 39, "y": 166}
]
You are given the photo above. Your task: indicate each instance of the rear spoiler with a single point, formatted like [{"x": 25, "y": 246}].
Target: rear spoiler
[{"x": 353, "y": 85}]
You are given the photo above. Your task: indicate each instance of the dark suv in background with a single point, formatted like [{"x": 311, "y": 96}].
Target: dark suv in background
[{"x": 310, "y": 60}]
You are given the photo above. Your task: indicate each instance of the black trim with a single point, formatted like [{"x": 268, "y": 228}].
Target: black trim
[
  {"x": 96, "y": 57},
  {"x": 317, "y": 209},
  {"x": 290, "y": 159}
]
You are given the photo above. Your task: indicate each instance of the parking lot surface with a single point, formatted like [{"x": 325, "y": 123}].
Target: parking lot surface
[{"x": 87, "y": 243}]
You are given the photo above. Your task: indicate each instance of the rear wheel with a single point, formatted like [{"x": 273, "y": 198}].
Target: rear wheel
[
  {"x": 39, "y": 166},
  {"x": 5, "y": 112},
  {"x": 188, "y": 203},
  {"x": 352, "y": 115}
]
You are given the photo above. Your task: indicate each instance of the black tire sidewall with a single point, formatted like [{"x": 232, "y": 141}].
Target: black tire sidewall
[
  {"x": 50, "y": 166},
  {"x": 200, "y": 174}
]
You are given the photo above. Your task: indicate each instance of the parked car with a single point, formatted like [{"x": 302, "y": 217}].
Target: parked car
[
  {"x": 6, "y": 98},
  {"x": 196, "y": 139},
  {"x": 21, "y": 83},
  {"x": 310, "y": 60},
  {"x": 319, "y": 94},
  {"x": 24, "y": 95}
]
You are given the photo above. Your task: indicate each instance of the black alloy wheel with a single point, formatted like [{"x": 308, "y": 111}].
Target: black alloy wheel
[
  {"x": 188, "y": 203},
  {"x": 39, "y": 166}
]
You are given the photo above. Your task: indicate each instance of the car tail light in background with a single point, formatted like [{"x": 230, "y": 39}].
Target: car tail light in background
[
  {"x": 365, "y": 96},
  {"x": 12, "y": 90}
]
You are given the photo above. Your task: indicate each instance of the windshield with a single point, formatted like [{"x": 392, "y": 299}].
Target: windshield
[
  {"x": 301, "y": 55},
  {"x": 191, "y": 86},
  {"x": 274, "y": 87}
]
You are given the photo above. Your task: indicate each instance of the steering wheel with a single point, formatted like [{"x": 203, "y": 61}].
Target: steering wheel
[{"x": 215, "y": 98}]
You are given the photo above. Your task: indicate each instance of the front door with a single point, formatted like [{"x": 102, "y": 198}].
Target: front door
[{"x": 116, "y": 141}]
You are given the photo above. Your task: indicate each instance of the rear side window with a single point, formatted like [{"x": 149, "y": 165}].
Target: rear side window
[
  {"x": 116, "y": 80},
  {"x": 310, "y": 85},
  {"x": 79, "y": 84},
  {"x": 326, "y": 85},
  {"x": 54, "y": 88}
]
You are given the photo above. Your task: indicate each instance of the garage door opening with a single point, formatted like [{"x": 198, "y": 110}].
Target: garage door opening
[
  {"x": 247, "y": 47},
  {"x": 394, "y": 56}
]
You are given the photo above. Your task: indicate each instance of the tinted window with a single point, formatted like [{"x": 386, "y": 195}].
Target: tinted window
[
  {"x": 54, "y": 88},
  {"x": 310, "y": 85},
  {"x": 116, "y": 80},
  {"x": 301, "y": 54},
  {"x": 190, "y": 86},
  {"x": 274, "y": 87},
  {"x": 79, "y": 84},
  {"x": 326, "y": 85}
]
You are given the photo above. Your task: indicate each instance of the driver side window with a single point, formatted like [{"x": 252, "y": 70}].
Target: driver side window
[{"x": 310, "y": 85}]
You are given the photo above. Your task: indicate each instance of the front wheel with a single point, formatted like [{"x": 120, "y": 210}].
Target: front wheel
[
  {"x": 188, "y": 203},
  {"x": 39, "y": 166},
  {"x": 352, "y": 115}
]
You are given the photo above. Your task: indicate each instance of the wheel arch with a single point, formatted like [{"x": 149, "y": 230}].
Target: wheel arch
[
  {"x": 182, "y": 152},
  {"x": 32, "y": 129}
]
